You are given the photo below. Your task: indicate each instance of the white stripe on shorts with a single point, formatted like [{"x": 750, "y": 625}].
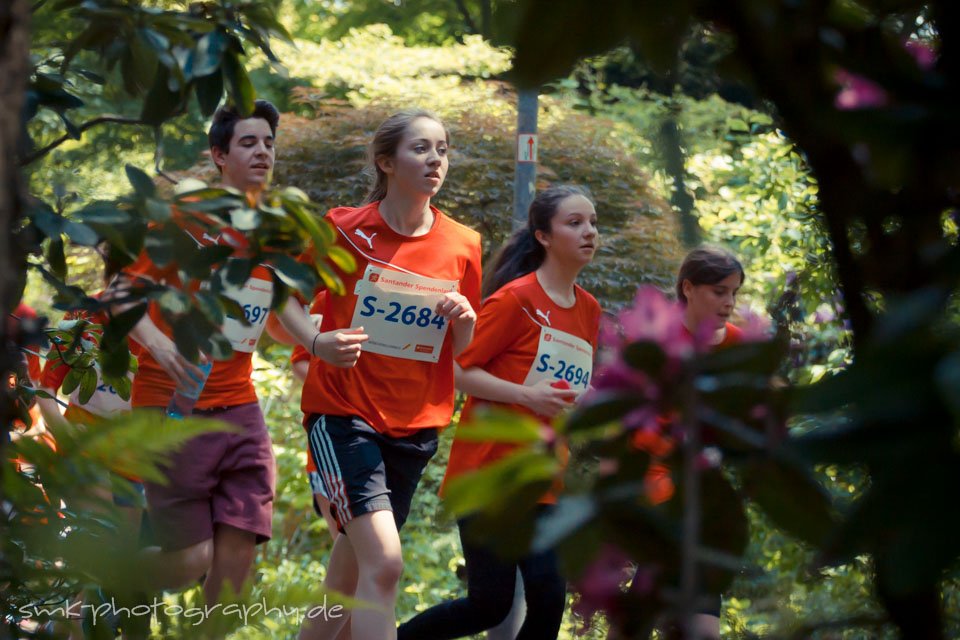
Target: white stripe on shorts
[{"x": 329, "y": 469}]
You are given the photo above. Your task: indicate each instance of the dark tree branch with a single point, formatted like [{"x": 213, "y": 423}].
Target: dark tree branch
[
  {"x": 467, "y": 18},
  {"x": 36, "y": 155}
]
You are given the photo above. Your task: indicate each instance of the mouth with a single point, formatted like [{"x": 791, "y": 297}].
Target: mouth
[
  {"x": 261, "y": 165},
  {"x": 588, "y": 246},
  {"x": 433, "y": 175}
]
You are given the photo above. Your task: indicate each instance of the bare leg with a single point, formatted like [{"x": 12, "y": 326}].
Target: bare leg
[
  {"x": 341, "y": 576},
  {"x": 376, "y": 550},
  {"x": 233, "y": 555}
]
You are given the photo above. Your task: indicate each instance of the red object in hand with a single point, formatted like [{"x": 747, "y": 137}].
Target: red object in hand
[{"x": 563, "y": 385}]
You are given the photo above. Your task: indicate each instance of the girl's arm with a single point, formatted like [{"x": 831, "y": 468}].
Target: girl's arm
[{"x": 541, "y": 398}]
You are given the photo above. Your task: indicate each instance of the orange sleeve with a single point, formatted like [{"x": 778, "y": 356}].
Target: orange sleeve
[
  {"x": 299, "y": 354},
  {"x": 472, "y": 276},
  {"x": 496, "y": 321}
]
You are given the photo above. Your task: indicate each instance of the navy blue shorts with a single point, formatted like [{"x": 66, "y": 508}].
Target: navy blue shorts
[{"x": 362, "y": 470}]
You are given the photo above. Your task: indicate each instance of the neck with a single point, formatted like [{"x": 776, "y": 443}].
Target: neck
[
  {"x": 254, "y": 191},
  {"x": 558, "y": 280},
  {"x": 408, "y": 216},
  {"x": 693, "y": 325}
]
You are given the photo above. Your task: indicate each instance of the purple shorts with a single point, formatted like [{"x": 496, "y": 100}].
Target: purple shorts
[{"x": 217, "y": 478}]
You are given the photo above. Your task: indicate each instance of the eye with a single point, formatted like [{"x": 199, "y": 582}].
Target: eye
[
  {"x": 420, "y": 148},
  {"x": 442, "y": 151}
]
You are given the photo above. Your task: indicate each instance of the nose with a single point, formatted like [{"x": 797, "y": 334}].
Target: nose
[{"x": 433, "y": 158}]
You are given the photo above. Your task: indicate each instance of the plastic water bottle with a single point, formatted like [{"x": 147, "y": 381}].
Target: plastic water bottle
[{"x": 184, "y": 398}]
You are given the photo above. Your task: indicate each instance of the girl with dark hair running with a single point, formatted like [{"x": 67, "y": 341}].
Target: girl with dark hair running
[{"x": 533, "y": 353}]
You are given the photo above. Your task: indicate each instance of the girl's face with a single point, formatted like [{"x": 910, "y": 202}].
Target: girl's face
[
  {"x": 420, "y": 163},
  {"x": 711, "y": 304},
  {"x": 573, "y": 233}
]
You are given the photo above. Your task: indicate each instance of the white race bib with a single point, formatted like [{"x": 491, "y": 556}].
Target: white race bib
[
  {"x": 255, "y": 297},
  {"x": 561, "y": 356},
  {"x": 105, "y": 401},
  {"x": 398, "y": 311}
]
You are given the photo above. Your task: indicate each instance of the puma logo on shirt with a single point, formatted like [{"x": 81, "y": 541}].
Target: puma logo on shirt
[
  {"x": 369, "y": 239},
  {"x": 545, "y": 316}
]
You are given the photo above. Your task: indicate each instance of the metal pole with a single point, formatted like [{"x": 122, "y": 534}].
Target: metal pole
[
  {"x": 524, "y": 188},
  {"x": 525, "y": 178}
]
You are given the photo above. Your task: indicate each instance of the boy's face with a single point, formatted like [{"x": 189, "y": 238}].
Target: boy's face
[{"x": 249, "y": 163}]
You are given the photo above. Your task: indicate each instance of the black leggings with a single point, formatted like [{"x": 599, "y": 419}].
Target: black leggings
[{"x": 490, "y": 588}]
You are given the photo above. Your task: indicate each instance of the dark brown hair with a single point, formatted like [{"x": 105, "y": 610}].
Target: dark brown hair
[
  {"x": 523, "y": 253},
  {"x": 226, "y": 118},
  {"x": 707, "y": 265}
]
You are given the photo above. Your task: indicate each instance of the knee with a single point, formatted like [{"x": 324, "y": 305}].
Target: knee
[
  {"x": 197, "y": 560},
  {"x": 385, "y": 572},
  {"x": 493, "y": 605}
]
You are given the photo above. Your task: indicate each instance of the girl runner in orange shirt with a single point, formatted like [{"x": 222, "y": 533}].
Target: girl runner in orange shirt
[
  {"x": 409, "y": 309},
  {"x": 533, "y": 353}
]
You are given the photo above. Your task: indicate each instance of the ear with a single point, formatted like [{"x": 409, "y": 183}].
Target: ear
[
  {"x": 687, "y": 287},
  {"x": 219, "y": 156},
  {"x": 386, "y": 164},
  {"x": 542, "y": 238}
]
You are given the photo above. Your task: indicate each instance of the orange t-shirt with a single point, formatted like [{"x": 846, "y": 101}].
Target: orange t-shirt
[
  {"x": 229, "y": 382},
  {"x": 658, "y": 483},
  {"x": 506, "y": 344},
  {"x": 395, "y": 394}
]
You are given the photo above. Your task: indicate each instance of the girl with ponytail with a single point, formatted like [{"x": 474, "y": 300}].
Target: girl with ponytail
[
  {"x": 373, "y": 412},
  {"x": 532, "y": 353}
]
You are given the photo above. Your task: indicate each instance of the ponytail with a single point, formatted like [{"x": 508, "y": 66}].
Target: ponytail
[{"x": 522, "y": 254}]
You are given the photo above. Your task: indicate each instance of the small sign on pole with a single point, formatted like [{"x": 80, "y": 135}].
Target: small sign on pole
[{"x": 527, "y": 147}]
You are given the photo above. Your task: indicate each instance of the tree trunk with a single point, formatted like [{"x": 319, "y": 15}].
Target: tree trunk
[{"x": 14, "y": 73}]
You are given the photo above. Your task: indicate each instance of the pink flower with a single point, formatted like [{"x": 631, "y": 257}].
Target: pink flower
[
  {"x": 756, "y": 327},
  {"x": 923, "y": 53},
  {"x": 654, "y": 318},
  {"x": 599, "y": 586},
  {"x": 858, "y": 92}
]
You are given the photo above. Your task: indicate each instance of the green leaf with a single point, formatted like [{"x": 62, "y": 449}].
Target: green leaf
[
  {"x": 295, "y": 274},
  {"x": 791, "y": 496},
  {"x": 206, "y": 56},
  {"x": 569, "y": 515},
  {"x": 72, "y": 130},
  {"x": 209, "y": 305},
  {"x": 646, "y": 356},
  {"x": 161, "y": 103},
  {"x": 81, "y": 234},
  {"x": 174, "y": 302},
  {"x": 141, "y": 182},
  {"x": 56, "y": 258},
  {"x": 158, "y": 210},
  {"x": 240, "y": 88},
  {"x": 603, "y": 408},
  {"x": 91, "y": 76},
  {"x": 209, "y": 91},
  {"x": 342, "y": 258},
  {"x": 71, "y": 381},
  {"x": 493, "y": 425},
  {"x": 493, "y": 485},
  {"x": 102, "y": 213},
  {"x": 120, "y": 324},
  {"x": 88, "y": 385}
]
